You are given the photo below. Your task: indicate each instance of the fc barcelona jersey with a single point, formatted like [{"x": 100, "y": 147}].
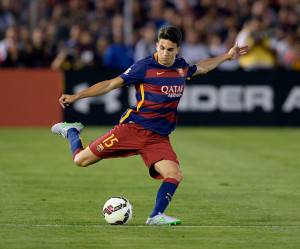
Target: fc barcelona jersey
[{"x": 158, "y": 92}]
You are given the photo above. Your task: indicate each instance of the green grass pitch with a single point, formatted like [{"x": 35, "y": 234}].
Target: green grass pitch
[{"x": 241, "y": 190}]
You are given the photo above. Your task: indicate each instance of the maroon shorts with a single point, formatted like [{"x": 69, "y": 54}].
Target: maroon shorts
[{"x": 132, "y": 139}]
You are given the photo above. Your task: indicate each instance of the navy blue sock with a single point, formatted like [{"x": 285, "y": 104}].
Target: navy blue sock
[
  {"x": 164, "y": 195},
  {"x": 75, "y": 142}
]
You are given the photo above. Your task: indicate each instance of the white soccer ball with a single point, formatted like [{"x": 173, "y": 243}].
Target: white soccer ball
[{"x": 117, "y": 211}]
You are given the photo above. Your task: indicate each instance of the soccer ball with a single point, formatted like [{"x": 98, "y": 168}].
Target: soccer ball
[{"x": 117, "y": 211}]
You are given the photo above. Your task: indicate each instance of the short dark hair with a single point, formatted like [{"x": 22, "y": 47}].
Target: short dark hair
[{"x": 170, "y": 33}]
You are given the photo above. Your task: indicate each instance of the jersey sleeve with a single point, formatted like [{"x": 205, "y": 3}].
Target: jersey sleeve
[
  {"x": 134, "y": 74},
  {"x": 191, "y": 70}
]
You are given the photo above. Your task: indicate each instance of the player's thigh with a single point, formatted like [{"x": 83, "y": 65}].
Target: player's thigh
[
  {"x": 161, "y": 159},
  {"x": 85, "y": 157},
  {"x": 122, "y": 141},
  {"x": 168, "y": 169}
]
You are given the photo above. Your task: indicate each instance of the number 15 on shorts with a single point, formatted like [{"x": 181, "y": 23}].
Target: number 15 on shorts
[
  {"x": 110, "y": 141},
  {"x": 107, "y": 142}
]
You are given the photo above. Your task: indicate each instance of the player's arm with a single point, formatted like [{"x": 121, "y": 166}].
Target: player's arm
[
  {"x": 211, "y": 63},
  {"x": 98, "y": 89}
]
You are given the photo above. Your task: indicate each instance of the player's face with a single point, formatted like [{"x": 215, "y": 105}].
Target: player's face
[{"x": 166, "y": 52}]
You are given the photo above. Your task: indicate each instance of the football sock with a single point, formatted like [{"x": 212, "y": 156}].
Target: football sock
[
  {"x": 164, "y": 195},
  {"x": 74, "y": 140}
]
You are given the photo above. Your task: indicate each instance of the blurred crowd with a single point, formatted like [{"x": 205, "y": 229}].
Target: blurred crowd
[{"x": 76, "y": 34}]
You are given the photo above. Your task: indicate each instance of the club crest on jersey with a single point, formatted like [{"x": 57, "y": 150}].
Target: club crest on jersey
[
  {"x": 180, "y": 71},
  {"x": 172, "y": 91}
]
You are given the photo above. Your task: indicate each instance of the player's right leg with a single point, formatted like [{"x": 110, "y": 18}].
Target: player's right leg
[
  {"x": 85, "y": 158},
  {"x": 82, "y": 157}
]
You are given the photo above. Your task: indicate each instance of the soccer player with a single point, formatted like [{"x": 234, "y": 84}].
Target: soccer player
[{"x": 144, "y": 129}]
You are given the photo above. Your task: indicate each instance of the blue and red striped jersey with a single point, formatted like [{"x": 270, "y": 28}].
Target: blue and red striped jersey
[{"x": 158, "y": 92}]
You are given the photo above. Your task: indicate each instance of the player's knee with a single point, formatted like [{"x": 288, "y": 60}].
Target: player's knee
[
  {"x": 177, "y": 175},
  {"x": 80, "y": 162}
]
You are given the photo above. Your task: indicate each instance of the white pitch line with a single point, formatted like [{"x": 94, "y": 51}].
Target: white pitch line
[{"x": 141, "y": 226}]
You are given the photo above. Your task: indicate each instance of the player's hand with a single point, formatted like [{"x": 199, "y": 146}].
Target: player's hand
[
  {"x": 66, "y": 100},
  {"x": 236, "y": 51}
]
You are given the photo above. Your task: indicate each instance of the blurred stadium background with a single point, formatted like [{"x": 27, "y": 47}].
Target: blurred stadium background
[
  {"x": 77, "y": 34},
  {"x": 242, "y": 184}
]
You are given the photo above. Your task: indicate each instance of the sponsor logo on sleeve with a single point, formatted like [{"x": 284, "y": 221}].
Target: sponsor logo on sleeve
[{"x": 127, "y": 71}]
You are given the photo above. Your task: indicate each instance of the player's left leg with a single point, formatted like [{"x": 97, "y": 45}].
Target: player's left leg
[{"x": 172, "y": 176}]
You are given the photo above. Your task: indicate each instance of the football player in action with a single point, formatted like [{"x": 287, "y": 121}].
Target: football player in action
[{"x": 144, "y": 129}]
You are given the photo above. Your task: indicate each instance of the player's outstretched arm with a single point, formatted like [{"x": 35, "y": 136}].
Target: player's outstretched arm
[
  {"x": 98, "y": 89},
  {"x": 211, "y": 63}
]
